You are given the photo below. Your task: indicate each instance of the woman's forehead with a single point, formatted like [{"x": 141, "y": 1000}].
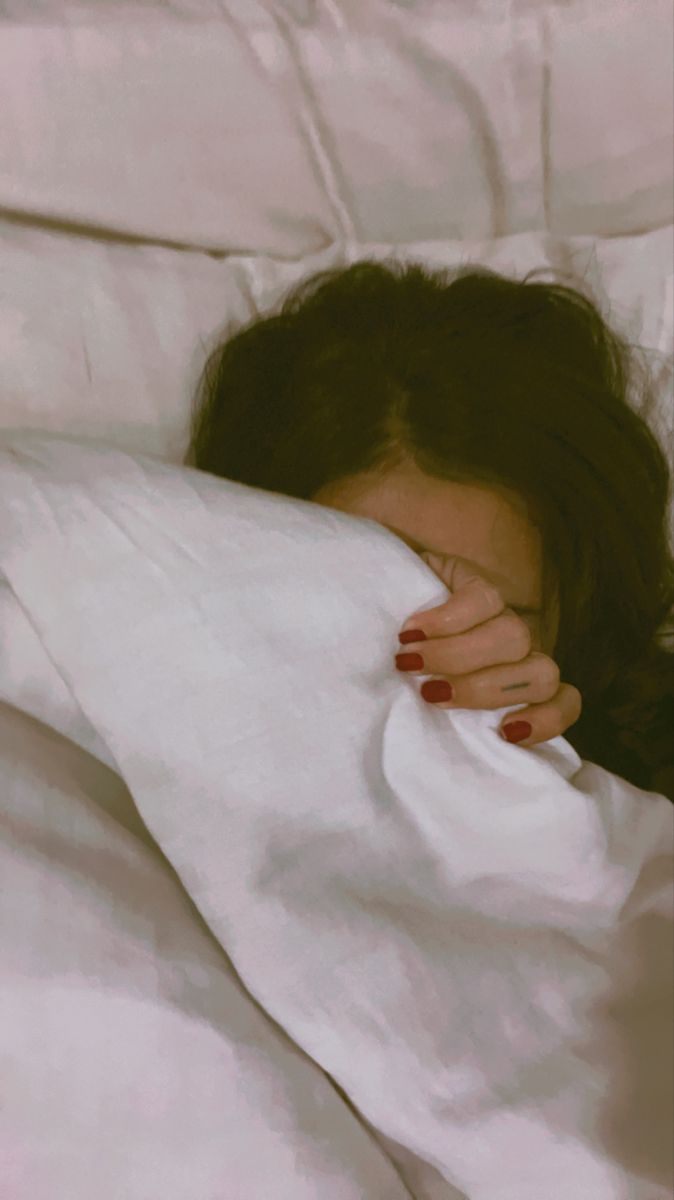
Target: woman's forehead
[{"x": 442, "y": 517}]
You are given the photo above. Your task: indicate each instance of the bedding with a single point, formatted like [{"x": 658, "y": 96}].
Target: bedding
[
  {"x": 473, "y": 944},
  {"x": 139, "y": 215},
  {"x": 134, "y": 1062},
  {"x": 320, "y": 941},
  {"x": 278, "y": 127},
  {"x": 102, "y": 341}
]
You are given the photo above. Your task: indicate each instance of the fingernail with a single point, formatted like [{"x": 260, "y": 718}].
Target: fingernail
[
  {"x": 437, "y": 690},
  {"x": 409, "y": 662},
  {"x": 412, "y": 635},
  {"x": 516, "y": 731}
]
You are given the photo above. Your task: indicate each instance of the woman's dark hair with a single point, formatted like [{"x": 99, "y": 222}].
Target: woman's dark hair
[{"x": 479, "y": 379}]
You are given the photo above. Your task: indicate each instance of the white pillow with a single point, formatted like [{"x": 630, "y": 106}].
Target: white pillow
[
  {"x": 450, "y": 926},
  {"x": 120, "y": 360},
  {"x": 468, "y": 120},
  {"x": 142, "y": 122},
  {"x": 279, "y": 126}
]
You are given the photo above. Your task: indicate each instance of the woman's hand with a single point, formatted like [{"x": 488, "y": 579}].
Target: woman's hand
[{"x": 485, "y": 651}]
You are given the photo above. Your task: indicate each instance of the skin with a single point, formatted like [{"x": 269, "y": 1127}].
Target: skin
[
  {"x": 490, "y": 531},
  {"x": 491, "y": 640}
]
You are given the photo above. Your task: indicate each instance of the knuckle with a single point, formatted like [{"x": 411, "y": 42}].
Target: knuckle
[
  {"x": 492, "y": 596},
  {"x": 568, "y": 706},
  {"x": 455, "y": 663},
  {"x": 575, "y": 699},
  {"x": 549, "y": 673},
  {"x": 518, "y": 633}
]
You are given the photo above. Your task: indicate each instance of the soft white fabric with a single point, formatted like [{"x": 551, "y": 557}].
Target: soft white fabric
[
  {"x": 473, "y": 940},
  {"x": 134, "y": 1063},
  {"x": 280, "y": 126},
  {"x": 106, "y": 341},
  {"x": 167, "y": 171},
  {"x": 29, "y": 680},
  {"x": 168, "y": 167}
]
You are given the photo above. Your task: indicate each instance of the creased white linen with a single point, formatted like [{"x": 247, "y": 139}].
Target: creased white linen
[
  {"x": 474, "y": 941},
  {"x": 134, "y": 1063},
  {"x": 278, "y": 127}
]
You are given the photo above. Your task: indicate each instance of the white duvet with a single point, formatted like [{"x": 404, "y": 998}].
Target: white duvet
[{"x": 473, "y": 943}]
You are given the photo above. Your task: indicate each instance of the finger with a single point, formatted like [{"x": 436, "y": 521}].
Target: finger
[
  {"x": 473, "y": 600},
  {"x": 505, "y": 639},
  {"x": 535, "y": 679},
  {"x": 549, "y": 720}
]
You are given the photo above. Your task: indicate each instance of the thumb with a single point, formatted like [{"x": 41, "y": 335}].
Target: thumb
[
  {"x": 469, "y": 589},
  {"x": 453, "y": 570}
]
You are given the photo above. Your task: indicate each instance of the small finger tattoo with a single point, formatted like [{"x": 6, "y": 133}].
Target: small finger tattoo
[{"x": 512, "y": 687}]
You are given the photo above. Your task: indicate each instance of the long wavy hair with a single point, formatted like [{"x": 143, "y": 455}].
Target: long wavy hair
[{"x": 479, "y": 379}]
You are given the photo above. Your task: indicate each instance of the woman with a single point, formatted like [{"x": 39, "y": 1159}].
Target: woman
[{"x": 487, "y": 422}]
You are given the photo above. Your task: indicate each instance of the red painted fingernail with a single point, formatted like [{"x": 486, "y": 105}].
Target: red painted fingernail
[
  {"x": 517, "y": 731},
  {"x": 409, "y": 662},
  {"x": 412, "y": 635},
  {"x": 437, "y": 689}
]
